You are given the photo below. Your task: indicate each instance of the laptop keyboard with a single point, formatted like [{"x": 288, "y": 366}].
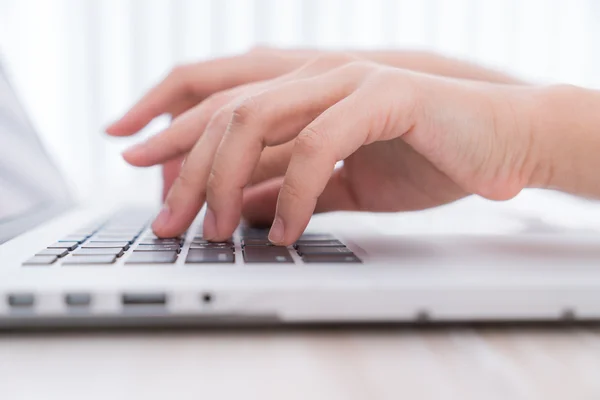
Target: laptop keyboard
[{"x": 128, "y": 236}]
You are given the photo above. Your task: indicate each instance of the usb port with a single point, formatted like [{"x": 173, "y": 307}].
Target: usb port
[
  {"x": 144, "y": 299},
  {"x": 21, "y": 300},
  {"x": 78, "y": 299}
]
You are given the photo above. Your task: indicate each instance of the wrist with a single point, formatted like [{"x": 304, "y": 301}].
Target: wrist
[{"x": 565, "y": 123}]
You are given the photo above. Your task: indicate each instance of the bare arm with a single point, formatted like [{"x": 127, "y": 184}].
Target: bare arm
[{"x": 566, "y": 129}]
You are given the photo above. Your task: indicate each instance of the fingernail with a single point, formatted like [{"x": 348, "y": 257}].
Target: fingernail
[
  {"x": 209, "y": 230},
  {"x": 163, "y": 217},
  {"x": 277, "y": 231}
]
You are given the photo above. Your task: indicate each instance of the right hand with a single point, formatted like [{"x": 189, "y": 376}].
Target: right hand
[{"x": 214, "y": 83}]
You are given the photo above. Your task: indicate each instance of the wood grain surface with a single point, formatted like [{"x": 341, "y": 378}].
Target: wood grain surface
[{"x": 378, "y": 363}]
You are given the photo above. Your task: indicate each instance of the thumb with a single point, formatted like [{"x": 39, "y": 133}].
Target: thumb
[{"x": 260, "y": 201}]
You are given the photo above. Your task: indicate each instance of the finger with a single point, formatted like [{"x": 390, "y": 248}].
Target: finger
[
  {"x": 356, "y": 120},
  {"x": 187, "y": 195},
  {"x": 181, "y": 135},
  {"x": 176, "y": 88},
  {"x": 333, "y": 136},
  {"x": 197, "y": 81},
  {"x": 170, "y": 171},
  {"x": 270, "y": 118}
]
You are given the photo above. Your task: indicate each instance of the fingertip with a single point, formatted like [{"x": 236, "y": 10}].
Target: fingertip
[{"x": 161, "y": 222}]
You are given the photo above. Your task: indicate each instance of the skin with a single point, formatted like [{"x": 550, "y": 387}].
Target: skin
[{"x": 261, "y": 134}]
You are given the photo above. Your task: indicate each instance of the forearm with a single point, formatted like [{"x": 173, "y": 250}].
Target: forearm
[
  {"x": 436, "y": 64},
  {"x": 566, "y": 131}
]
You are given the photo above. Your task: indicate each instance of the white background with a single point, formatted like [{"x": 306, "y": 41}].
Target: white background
[{"x": 80, "y": 63}]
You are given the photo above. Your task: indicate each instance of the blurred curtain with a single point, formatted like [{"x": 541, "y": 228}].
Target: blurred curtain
[{"x": 80, "y": 63}]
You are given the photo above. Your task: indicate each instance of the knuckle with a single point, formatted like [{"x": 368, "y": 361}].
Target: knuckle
[
  {"x": 183, "y": 182},
  {"x": 216, "y": 100},
  {"x": 359, "y": 66},
  {"x": 310, "y": 141},
  {"x": 215, "y": 181},
  {"x": 219, "y": 120},
  {"x": 246, "y": 112},
  {"x": 289, "y": 190}
]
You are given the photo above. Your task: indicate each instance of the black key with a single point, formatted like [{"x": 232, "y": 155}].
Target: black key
[
  {"x": 266, "y": 254},
  {"x": 161, "y": 241},
  {"x": 331, "y": 243},
  {"x": 198, "y": 256},
  {"x": 101, "y": 251},
  {"x": 74, "y": 238},
  {"x": 255, "y": 233},
  {"x": 64, "y": 245},
  {"x": 152, "y": 257},
  {"x": 303, "y": 250},
  {"x": 41, "y": 260},
  {"x": 256, "y": 242},
  {"x": 211, "y": 245},
  {"x": 99, "y": 259},
  {"x": 330, "y": 258},
  {"x": 204, "y": 241},
  {"x": 53, "y": 252},
  {"x": 158, "y": 247},
  {"x": 97, "y": 244},
  {"x": 316, "y": 236},
  {"x": 151, "y": 236}
]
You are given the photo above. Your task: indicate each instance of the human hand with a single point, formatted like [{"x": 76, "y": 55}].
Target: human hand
[
  {"x": 409, "y": 141},
  {"x": 188, "y": 85}
]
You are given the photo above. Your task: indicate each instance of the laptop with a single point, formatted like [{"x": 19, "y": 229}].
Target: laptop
[{"x": 64, "y": 264}]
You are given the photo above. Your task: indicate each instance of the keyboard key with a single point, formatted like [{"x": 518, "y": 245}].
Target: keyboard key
[
  {"x": 211, "y": 245},
  {"x": 120, "y": 238},
  {"x": 41, "y": 260},
  {"x": 74, "y": 238},
  {"x": 330, "y": 258},
  {"x": 89, "y": 260},
  {"x": 256, "y": 242},
  {"x": 53, "y": 252},
  {"x": 101, "y": 251},
  {"x": 316, "y": 236},
  {"x": 150, "y": 236},
  {"x": 152, "y": 257},
  {"x": 204, "y": 241},
  {"x": 197, "y": 256},
  {"x": 266, "y": 254},
  {"x": 303, "y": 250},
  {"x": 332, "y": 243},
  {"x": 161, "y": 241},
  {"x": 158, "y": 247},
  {"x": 98, "y": 244},
  {"x": 257, "y": 233},
  {"x": 64, "y": 245}
]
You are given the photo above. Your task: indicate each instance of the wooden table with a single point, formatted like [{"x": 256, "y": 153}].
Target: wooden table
[{"x": 377, "y": 363}]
